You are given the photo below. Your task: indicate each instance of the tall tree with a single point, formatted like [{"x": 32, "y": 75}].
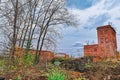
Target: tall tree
[
  {"x": 55, "y": 14},
  {"x": 34, "y": 21}
]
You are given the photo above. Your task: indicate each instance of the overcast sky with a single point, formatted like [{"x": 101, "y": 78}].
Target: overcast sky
[{"x": 90, "y": 14}]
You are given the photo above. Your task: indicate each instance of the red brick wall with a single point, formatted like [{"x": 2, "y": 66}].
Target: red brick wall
[
  {"x": 106, "y": 41},
  {"x": 91, "y": 50},
  {"x": 107, "y": 44},
  {"x": 48, "y": 55},
  {"x": 44, "y": 55}
]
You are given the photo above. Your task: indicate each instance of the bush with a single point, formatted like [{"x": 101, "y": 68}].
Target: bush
[
  {"x": 28, "y": 59},
  {"x": 88, "y": 65},
  {"x": 56, "y": 74},
  {"x": 58, "y": 59}
]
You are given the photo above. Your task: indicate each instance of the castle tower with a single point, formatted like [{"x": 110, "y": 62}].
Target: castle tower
[{"x": 107, "y": 44}]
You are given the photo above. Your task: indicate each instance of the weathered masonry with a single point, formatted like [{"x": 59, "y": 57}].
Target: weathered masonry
[{"x": 107, "y": 43}]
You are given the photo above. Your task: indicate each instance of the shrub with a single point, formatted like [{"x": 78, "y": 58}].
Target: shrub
[
  {"x": 56, "y": 74},
  {"x": 57, "y": 59},
  {"x": 87, "y": 65},
  {"x": 28, "y": 59}
]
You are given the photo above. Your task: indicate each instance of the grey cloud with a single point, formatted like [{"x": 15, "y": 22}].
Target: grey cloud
[
  {"x": 95, "y": 21},
  {"x": 78, "y": 44}
]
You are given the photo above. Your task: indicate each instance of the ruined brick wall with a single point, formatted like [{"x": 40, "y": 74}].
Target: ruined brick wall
[
  {"x": 45, "y": 55},
  {"x": 107, "y": 43},
  {"x": 91, "y": 50}
]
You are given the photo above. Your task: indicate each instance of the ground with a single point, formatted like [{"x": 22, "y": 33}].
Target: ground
[{"x": 70, "y": 69}]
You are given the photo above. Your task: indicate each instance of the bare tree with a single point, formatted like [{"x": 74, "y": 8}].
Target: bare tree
[
  {"x": 55, "y": 14},
  {"x": 10, "y": 15},
  {"x": 14, "y": 18},
  {"x": 34, "y": 21}
]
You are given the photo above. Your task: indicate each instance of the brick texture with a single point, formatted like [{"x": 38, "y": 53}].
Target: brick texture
[{"x": 107, "y": 44}]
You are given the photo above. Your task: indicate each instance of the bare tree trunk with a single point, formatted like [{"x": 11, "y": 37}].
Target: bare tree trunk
[
  {"x": 44, "y": 34},
  {"x": 36, "y": 21},
  {"x": 24, "y": 37},
  {"x": 14, "y": 30},
  {"x": 41, "y": 33},
  {"x": 31, "y": 22},
  {"x": 23, "y": 31}
]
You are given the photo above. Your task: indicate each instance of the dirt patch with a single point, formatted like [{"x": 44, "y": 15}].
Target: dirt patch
[{"x": 24, "y": 73}]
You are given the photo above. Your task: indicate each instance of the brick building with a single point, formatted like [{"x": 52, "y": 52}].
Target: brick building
[
  {"x": 107, "y": 44},
  {"x": 44, "y": 55}
]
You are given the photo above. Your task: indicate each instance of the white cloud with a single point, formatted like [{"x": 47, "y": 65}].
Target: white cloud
[
  {"x": 100, "y": 13},
  {"x": 100, "y": 8}
]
